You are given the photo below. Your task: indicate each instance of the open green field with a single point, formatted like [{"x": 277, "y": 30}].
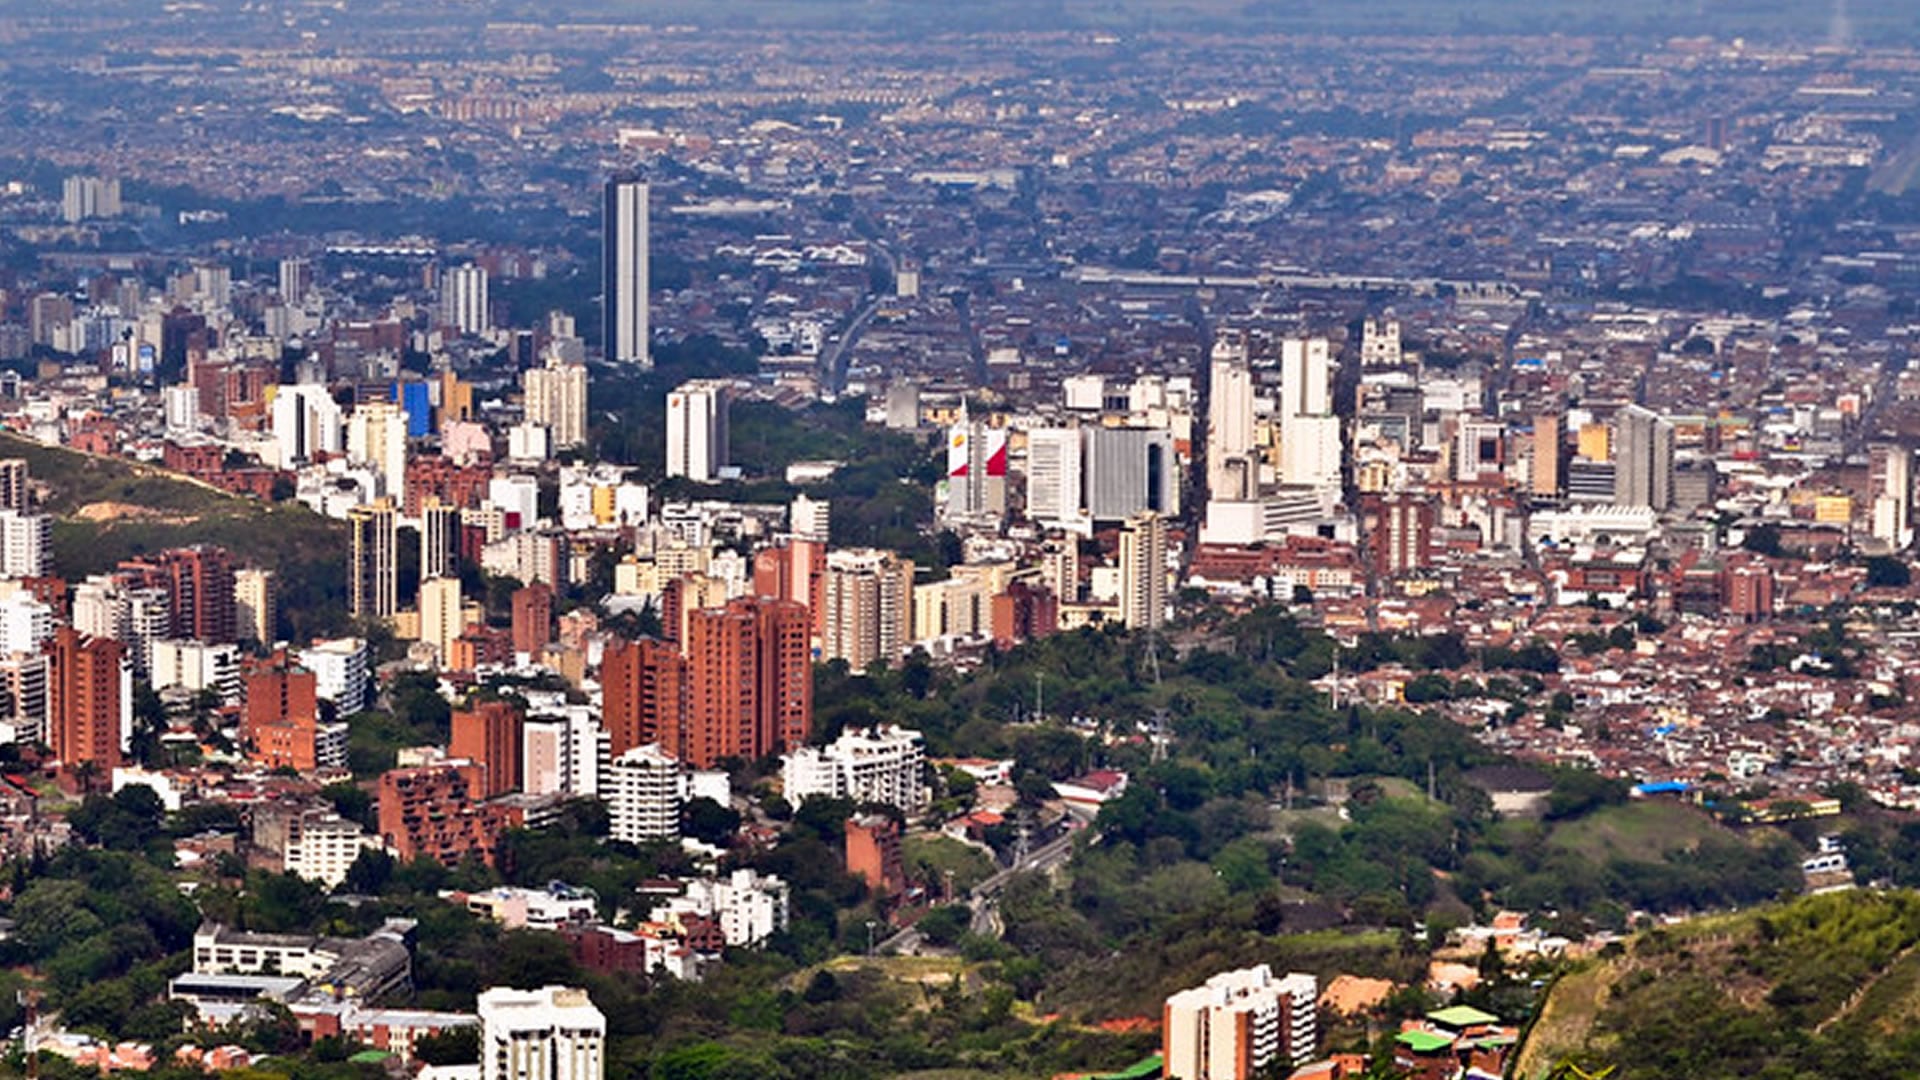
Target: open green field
[
  {"x": 1640, "y": 829},
  {"x": 106, "y": 510}
]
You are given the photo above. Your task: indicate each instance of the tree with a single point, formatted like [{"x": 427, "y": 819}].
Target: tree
[
  {"x": 707, "y": 821},
  {"x": 1887, "y": 572}
]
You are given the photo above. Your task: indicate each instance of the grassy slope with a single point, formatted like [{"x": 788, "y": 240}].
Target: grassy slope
[
  {"x": 1636, "y": 830},
  {"x": 107, "y": 509},
  {"x": 1843, "y": 965}
]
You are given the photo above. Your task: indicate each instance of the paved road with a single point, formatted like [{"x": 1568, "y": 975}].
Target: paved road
[{"x": 981, "y": 898}]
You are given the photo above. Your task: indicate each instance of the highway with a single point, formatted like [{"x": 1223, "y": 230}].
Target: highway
[{"x": 980, "y": 898}]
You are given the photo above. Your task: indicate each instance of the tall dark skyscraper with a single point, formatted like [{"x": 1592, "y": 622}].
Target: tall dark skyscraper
[{"x": 624, "y": 270}]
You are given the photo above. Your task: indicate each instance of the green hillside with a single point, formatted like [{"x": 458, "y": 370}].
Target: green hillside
[
  {"x": 1826, "y": 986},
  {"x": 108, "y": 509}
]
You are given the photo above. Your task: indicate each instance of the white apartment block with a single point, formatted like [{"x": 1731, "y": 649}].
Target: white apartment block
[
  {"x": 644, "y": 791},
  {"x": 750, "y": 907},
  {"x": 1237, "y": 1024},
  {"x": 553, "y": 1033},
  {"x": 882, "y": 765}
]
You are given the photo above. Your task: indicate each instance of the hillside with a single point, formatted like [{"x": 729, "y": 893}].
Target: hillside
[
  {"x": 1824, "y": 986},
  {"x": 108, "y": 509}
]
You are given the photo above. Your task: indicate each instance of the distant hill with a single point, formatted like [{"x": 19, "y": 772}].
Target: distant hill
[
  {"x": 1825, "y": 986},
  {"x": 109, "y": 509}
]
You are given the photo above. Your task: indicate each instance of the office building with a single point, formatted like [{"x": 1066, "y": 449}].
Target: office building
[
  {"x": 1232, "y": 470},
  {"x": 1131, "y": 470},
  {"x": 697, "y": 430},
  {"x": 1544, "y": 473},
  {"x": 1240, "y": 1024},
  {"x": 463, "y": 293},
  {"x": 256, "y": 606},
  {"x": 975, "y": 489},
  {"x": 89, "y": 700},
  {"x": 644, "y": 792},
  {"x": 1890, "y": 480},
  {"x": 1054, "y": 475},
  {"x": 1309, "y": 432},
  {"x": 880, "y": 765},
  {"x": 624, "y": 271},
  {"x": 296, "y": 280},
  {"x": 868, "y": 594},
  {"x": 373, "y": 580},
  {"x": 306, "y": 424},
  {"x": 553, "y": 1033},
  {"x": 749, "y": 680},
  {"x": 489, "y": 735},
  {"x": 1143, "y": 571},
  {"x": 442, "y": 618},
  {"x": 1642, "y": 459}
]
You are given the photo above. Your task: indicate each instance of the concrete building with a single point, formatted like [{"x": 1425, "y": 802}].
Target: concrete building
[
  {"x": 306, "y": 424},
  {"x": 26, "y": 544},
  {"x": 880, "y": 765},
  {"x": 341, "y": 672},
  {"x": 442, "y": 617},
  {"x": 1143, "y": 571},
  {"x": 624, "y": 271},
  {"x": 464, "y": 300},
  {"x": 1642, "y": 459},
  {"x": 564, "y": 753},
  {"x": 1239, "y": 1024},
  {"x": 644, "y": 793},
  {"x": 373, "y": 579},
  {"x": 256, "y": 606},
  {"x": 556, "y": 398},
  {"x": 1232, "y": 471},
  {"x": 868, "y": 593},
  {"x": 1055, "y": 473},
  {"x": 697, "y": 430},
  {"x": 1130, "y": 470}
]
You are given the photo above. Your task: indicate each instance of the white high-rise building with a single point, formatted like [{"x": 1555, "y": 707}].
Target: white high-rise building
[
  {"x": 26, "y": 544},
  {"x": 553, "y": 1033},
  {"x": 256, "y": 605},
  {"x": 810, "y": 519},
  {"x": 1891, "y": 473},
  {"x": 84, "y": 197},
  {"x": 882, "y": 765},
  {"x": 340, "y": 672},
  {"x": 25, "y": 624},
  {"x": 1239, "y": 1024},
  {"x": 643, "y": 791},
  {"x": 1642, "y": 458},
  {"x": 463, "y": 294},
  {"x": 1054, "y": 476},
  {"x": 1309, "y": 432},
  {"x": 296, "y": 279},
  {"x": 306, "y": 423},
  {"x": 697, "y": 430},
  {"x": 624, "y": 271},
  {"x": 1143, "y": 571},
  {"x": 196, "y": 666},
  {"x": 564, "y": 752},
  {"x": 377, "y": 438},
  {"x": 556, "y": 398},
  {"x": 1232, "y": 472}
]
